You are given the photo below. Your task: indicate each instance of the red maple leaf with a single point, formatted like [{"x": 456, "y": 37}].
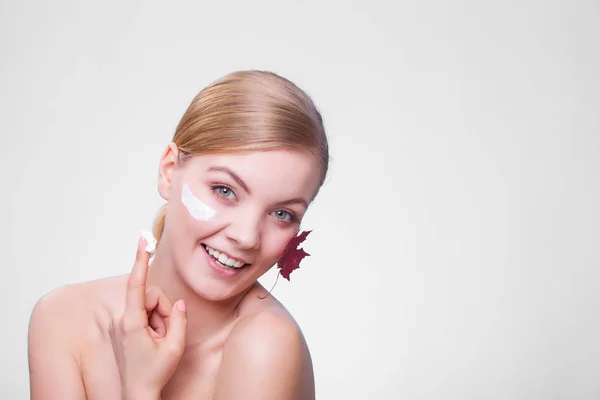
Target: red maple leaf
[{"x": 290, "y": 260}]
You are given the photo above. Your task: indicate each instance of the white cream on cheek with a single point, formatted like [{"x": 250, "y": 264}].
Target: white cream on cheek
[{"x": 197, "y": 209}]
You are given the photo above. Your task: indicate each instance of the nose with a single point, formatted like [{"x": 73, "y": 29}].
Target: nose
[{"x": 245, "y": 231}]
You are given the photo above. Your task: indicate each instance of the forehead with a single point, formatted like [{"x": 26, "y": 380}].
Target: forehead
[{"x": 281, "y": 172}]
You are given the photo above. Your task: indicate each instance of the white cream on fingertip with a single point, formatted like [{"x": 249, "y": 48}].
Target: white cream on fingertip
[
  {"x": 197, "y": 209},
  {"x": 150, "y": 241}
]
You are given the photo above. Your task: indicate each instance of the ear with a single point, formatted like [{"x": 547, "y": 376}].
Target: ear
[{"x": 168, "y": 163}]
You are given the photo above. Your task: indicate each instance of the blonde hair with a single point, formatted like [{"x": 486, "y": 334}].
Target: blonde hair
[{"x": 249, "y": 111}]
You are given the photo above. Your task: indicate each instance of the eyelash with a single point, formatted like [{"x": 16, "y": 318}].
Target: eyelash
[{"x": 215, "y": 189}]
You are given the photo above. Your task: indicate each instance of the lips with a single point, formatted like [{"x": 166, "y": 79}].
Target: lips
[
  {"x": 225, "y": 260},
  {"x": 220, "y": 269}
]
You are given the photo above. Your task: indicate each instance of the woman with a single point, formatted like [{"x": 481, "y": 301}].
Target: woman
[{"x": 248, "y": 157}]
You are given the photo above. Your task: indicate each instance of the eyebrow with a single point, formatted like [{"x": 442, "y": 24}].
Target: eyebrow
[
  {"x": 240, "y": 181},
  {"x": 233, "y": 175},
  {"x": 296, "y": 200}
]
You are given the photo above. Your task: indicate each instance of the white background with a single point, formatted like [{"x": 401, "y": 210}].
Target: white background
[{"x": 455, "y": 246}]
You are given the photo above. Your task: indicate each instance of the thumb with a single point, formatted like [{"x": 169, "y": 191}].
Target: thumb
[{"x": 174, "y": 341}]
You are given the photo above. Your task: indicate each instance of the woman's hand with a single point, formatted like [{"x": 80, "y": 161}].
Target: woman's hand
[
  {"x": 158, "y": 311},
  {"x": 147, "y": 342}
]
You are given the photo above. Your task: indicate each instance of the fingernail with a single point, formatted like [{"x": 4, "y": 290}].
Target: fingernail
[{"x": 181, "y": 306}]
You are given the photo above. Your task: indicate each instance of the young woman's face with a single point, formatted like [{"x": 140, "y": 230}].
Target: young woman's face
[{"x": 246, "y": 206}]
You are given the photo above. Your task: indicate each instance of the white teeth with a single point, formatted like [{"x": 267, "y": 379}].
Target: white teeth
[{"x": 224, "y": 259}]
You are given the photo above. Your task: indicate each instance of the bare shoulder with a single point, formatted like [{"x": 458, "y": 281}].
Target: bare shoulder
[
  {"x": 62, "y": 324},
  {"x": 73, "y": 311},
  {"x": 266, "y": 355}
]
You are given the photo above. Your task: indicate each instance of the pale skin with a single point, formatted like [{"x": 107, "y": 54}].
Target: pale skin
[{"x": 175, "y": 328}]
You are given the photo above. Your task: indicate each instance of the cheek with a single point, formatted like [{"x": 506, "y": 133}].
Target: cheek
[
  {"x": 196, "y": 208},
  {"x": 192, "y": 211},
  {"x": 184, "y": 224},
  {"x": 274, "y": 243}
]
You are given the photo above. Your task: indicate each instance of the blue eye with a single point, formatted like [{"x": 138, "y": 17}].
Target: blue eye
[
  {"x": 224, "y": 191},
  {"x": 284, "y": 215}
]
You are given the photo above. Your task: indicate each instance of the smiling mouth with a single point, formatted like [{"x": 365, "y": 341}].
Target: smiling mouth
[{"x": 224, "y": 260}]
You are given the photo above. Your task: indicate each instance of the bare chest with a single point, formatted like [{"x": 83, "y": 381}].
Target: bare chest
[{"x": 192, "y": 380}]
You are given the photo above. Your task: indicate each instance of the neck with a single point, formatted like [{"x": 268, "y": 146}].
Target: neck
[{"x": 206, "y": 319}]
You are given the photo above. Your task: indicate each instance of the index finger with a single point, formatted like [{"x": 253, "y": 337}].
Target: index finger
[{"x": 135, "y": 300}]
